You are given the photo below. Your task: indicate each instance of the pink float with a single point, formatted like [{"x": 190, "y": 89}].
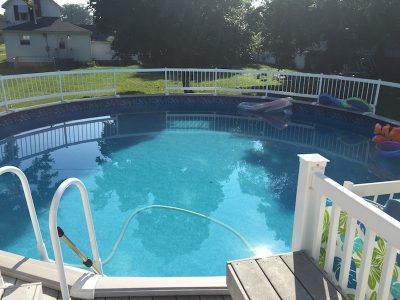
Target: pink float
[{"x": 266, "y": 107}]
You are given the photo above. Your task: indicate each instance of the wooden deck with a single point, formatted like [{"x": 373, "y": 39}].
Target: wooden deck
[
  {"x": 289, "y": 276},
  {"x": 50, "y": 294}
]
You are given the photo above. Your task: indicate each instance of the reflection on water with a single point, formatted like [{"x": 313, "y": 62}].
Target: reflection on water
[{"x": 241, "y": 170}]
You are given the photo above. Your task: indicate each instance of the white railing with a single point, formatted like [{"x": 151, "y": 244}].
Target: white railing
[
  {"x": 54, "y": 232},
  {"x": 313, "y": 191},
  {"x": 23, "y": 88},
  {"x": 31, "y": 208}
]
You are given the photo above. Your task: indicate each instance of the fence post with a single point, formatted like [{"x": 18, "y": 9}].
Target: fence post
[
  {"x": 60, "y": 85},
  {"x": 378, "y": 89},
  {"x": 305, "y": 215},
  {"x": 320, "y": 86},
  {"x": 3, "y": 91},
  {"x": 166, "y": 81},
  {"x": 215, "y": 82},
  {"x": 266, "y": 85},
  {"x": 115, "y": 83}
]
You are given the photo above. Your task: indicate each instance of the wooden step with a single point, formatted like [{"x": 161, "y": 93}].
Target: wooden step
[
  {"x": 28, "y": 291},
  {"x": 288, "y": 277}
]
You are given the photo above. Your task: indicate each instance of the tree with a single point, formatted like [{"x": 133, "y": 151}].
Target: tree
[
  {"x": 77, "y": 14},
  {"x": 177, "y": 32},
  {"x": 349, "y": 27},
  {"x": 287, "y": 28}
]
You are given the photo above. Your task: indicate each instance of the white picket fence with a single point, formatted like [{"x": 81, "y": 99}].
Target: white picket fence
[
  {"x": 313, "y": 189},
  {"x": 74, "y": 84}
]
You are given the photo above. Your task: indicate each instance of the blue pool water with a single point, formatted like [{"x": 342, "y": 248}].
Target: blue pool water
[{"x": 240, "y": 171}]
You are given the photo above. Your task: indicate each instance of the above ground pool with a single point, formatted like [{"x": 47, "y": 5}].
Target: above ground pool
[{"x": 173, "y": 192}]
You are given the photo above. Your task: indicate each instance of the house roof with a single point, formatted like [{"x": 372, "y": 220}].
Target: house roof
[
  {"x": 47, "y": 24},
  {"x": 5, "y": 3}
]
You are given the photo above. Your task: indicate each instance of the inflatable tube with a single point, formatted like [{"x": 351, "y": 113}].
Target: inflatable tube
[
  {"x": 359, "y": 105},
  {"x": 386, "y": 133},
  {"x": 327, "y": 99},
  {"x": 389, "y": 149},
  {"x": 266, "y": 107}
]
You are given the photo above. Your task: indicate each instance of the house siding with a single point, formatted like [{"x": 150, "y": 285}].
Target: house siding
[
  {"x": 101, "y": 50},
  {"x": 77, "y": 47},
  {"x": 49, "y": 9},
  {"x": 9, "y": 12}
]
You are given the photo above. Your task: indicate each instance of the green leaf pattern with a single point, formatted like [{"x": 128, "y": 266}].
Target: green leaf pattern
[{"x": 377, "y": 256}]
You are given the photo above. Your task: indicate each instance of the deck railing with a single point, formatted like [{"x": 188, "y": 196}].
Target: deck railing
[
  {"x": 16, "y": 89},
  {"x": 317, "y": 225}
]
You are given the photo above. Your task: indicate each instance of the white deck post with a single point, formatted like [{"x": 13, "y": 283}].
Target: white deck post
[
  {"x": 215, "y": 82},
  {"x": 321, "y": 78},
  {"x": 378, "y": 89},
  {"x": 166, "y": 81},
  {"x": 3, "y": 91},
  {"x": 115, "y": 83},
  {"x": 305, "y": 217},
  {"x": 266, "y": 86},
  {"x": 60, "y": 85}
]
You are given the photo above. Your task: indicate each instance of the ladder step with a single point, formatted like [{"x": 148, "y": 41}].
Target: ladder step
[{"x": 29, "y": 291}]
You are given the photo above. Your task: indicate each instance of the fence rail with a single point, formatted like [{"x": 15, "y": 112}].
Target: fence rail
[
  {"x": 318, "y": 229},
  {"x": 59, "y": 85}
]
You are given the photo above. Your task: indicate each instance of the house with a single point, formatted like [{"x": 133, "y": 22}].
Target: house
[
  {"x": 101, "y": 44},
  {"x": 39, "y": 34}
]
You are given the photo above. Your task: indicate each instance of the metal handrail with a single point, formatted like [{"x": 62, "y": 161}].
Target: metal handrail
[
  {"x": 54, "y": 232},
  {"x": 31, "y": 208}
]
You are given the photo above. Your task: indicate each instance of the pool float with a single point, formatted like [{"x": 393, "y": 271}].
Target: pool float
[
  {"x": 389, "y": 149},
  {"x": 267, "y": 107},
  {"x": 358, "y": 104},
  {"x": 327, "y": 99},
  {"x": 386, "y": 133}
]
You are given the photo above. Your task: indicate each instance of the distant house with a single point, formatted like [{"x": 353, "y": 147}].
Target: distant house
[
  {"x": 101, "y": 44},
  {"x": 39, "y": 34}
]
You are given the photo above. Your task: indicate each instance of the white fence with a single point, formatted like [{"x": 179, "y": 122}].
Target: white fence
[
  {"x": 74, "y": 84},
  {"x": 314, "y": 189}
]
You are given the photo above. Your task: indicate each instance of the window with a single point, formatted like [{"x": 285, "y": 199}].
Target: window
[
  {"x": 21, "y": 12},
  {"x": 61, "y": 44},
  {"x": 25, "y": 39},
  {"x": 24, "y": 16}
]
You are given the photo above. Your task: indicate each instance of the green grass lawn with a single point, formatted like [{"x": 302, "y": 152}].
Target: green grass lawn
[
  {"x": 127, "y": 83},
  {"x": 146, "y": 83}
]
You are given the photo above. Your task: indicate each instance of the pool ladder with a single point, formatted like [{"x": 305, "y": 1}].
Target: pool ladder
[
  {"x": 56, "y": 232},
  {"x": 31, "y": 208}
]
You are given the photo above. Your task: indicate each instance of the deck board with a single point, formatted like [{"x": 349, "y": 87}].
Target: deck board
[
  {"x": 317, "y": 285},
  {"x": 254, "y": 281},
  {"x": 288, "y": 277},
  {"x": 282, "y": 279}
]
